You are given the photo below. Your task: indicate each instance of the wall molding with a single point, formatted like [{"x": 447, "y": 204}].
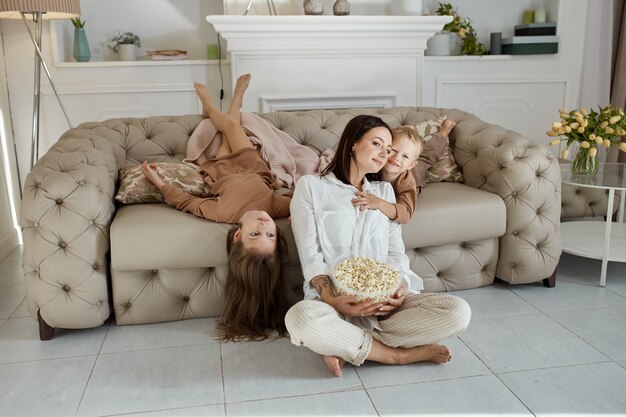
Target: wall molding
[
  {"x": 86, "y": 89},
  {"x": 441, "y": 82},
  {"x": 312, "y": 102}
]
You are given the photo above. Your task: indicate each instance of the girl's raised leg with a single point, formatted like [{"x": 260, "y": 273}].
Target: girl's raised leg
[
  {"x": 232, "y": 133},
  {"x": 237, "y": 101}
]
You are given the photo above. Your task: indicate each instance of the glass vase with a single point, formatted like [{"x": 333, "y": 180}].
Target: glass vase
[
  {"x": 81, "y": 46},
  {"x": 584, "y": 164}
]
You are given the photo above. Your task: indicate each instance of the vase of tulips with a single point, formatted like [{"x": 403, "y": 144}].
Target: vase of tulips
[{"x": 590, "y": 130}]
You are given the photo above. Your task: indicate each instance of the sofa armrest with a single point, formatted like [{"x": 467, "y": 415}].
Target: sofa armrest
[
  {"x": 66, "y": 211},
  {"x": 527, "y": 177}
]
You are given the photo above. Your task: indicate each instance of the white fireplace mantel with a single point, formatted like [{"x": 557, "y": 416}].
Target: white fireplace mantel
[{"x": 328, "y": 61}]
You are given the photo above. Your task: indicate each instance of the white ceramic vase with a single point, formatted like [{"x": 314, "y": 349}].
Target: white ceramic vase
[
  {"x": 438, "y": 45},
  {"x": 314, "y": 7},
  {"x": 455, "y": 43},
  {"x": 406, "y": 7},
  {"x": 127, "y": 52}
]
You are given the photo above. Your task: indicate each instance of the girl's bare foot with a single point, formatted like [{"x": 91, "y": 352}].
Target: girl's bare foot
[
  {"x": 240, "y": 87},
  {"x": 334, "y": 364},
  {"x": 427, "y": 353},
  {"x": 447, "y": 127},
  {"x": 203, "y": 94}
]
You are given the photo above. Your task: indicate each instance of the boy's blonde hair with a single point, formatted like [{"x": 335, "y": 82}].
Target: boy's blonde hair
[{"x": 410, "y": 133}]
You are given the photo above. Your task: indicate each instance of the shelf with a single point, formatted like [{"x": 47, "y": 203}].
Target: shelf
[
  {"x": 586, "y": 238},
  {"x": 486, "y": 57},
  {"x": 141, "y": 63}
]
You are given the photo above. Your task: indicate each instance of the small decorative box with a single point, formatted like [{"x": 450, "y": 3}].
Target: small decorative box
[
  {"x": 529, "y": 45},
  {"x": 536, "y": 29}
]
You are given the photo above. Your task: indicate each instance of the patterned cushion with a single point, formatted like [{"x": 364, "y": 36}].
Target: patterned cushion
[
  {"x": 436, "y": 162},
  {"x": 135, "y": 188}
]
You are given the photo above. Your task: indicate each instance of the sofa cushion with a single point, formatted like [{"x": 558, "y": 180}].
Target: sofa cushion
[
  {"x": 449, "y": 212},
  {"x": 135, "y": 187},
  {"x": 150, "y": 236},
  {"x": 436, "y": 162}
]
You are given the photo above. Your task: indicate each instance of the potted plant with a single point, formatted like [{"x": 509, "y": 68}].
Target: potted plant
[
  {"x": 462, "y": 26},
  {"x": 81, "y": 46},
  {"x": 125, "y": 44}
]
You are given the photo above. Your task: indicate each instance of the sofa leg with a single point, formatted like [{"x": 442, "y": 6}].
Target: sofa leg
[
  {"x": 46, "y": 332},
  {"x": 550, "y": 282}
]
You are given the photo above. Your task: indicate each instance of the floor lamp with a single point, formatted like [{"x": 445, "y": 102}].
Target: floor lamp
[{"x": 38, "y": 11}]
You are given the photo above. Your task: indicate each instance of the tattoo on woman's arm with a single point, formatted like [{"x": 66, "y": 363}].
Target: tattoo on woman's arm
[{"x": 321, "y": 282}]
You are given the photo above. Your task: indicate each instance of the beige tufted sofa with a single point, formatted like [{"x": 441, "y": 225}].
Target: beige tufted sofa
[
  {"x": 83, "y": 254},
  {"x": 579, "y": 202}
]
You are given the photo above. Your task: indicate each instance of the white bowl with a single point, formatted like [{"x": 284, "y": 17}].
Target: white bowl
[{"x": 381, "y": 294}]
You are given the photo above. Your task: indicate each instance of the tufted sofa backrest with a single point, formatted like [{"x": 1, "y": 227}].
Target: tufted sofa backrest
[
  {"x": 321, "y": 129},
  {"x": 164, "y": 138}
]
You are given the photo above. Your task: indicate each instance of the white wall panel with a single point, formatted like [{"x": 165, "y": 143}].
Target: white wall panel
[{"x": 524, "y": 105}]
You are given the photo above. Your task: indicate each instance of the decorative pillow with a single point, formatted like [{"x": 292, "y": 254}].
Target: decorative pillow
[
  {"x": 135, "y": 188},
  {"x": 436, "y": 162}
]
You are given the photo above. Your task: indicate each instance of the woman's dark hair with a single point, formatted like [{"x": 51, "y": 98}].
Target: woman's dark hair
[
  {"x": 255, "y": 302},
  {"x": 353, "y": 132}
]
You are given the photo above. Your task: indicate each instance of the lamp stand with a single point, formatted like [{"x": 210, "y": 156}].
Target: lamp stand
[
  {"x": 270, "y": 7},
  {"x": 39, "y": 62}
]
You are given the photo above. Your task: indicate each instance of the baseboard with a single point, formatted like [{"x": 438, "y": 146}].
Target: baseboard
[{"x": 8, "y": 243}]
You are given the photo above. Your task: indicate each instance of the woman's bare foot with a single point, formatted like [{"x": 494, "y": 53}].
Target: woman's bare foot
[
  {"x": 447, "y": 127},
  {"x": 427, "y": 353},
  {"x": 203, "y": 94},
  {"x": 334, "y": 364}
]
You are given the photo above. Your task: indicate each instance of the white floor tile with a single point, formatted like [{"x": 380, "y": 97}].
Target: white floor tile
[
  {"x": 152, "y": 380},
  {"x": 10, "y": 298},
  {"x": 14, "y": 257},
  {"x": 11, "y": 274},
  {"x": 464, "y": 363},
  {"x": 174, "y": 369},
  {"x": 495, "y": 301},
  {"x": 21, "y": 311},
  {"x": 349, "y": 403},
  {"x": 214, "y": 410},
  {"x": 571, "y": 390},
  {"x": 482, "y": 395},
  {"x": 526, "y": 342},
  {"x": 159, "y": 335},
  {"x": 19, "y": 341},
  {"x": 617, "y": 285},
  {"x": 568, "y": 296},
  {"x": 591, "y": 268},
  {"x": 271, "y": 369},
  {"x": 604, "y": 328},
  {"x": 43, "y": 388}
]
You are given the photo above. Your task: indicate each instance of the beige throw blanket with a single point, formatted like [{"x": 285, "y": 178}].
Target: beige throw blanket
[{"x": 288, "y": 160}]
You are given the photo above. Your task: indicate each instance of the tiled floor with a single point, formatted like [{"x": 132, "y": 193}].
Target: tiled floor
[{"x": 528, "y": 350}]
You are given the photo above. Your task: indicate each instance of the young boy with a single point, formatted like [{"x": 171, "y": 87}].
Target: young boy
[{"x": 406, "y": 148}]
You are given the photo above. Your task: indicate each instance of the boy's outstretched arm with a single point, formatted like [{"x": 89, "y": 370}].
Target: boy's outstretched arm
[{"x": 366, "y": 201}]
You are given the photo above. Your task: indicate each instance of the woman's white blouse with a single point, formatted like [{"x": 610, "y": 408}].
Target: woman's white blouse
[{"x": 327, "y": 228}]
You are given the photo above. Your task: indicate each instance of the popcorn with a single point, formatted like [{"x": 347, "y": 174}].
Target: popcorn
[{"x": 366, "y": 279}]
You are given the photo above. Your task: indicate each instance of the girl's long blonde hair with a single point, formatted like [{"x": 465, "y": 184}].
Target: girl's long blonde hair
[{"x": 255, "y": 302}]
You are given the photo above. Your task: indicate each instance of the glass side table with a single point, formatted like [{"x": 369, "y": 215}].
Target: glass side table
[{"x": 593, "y": 239}]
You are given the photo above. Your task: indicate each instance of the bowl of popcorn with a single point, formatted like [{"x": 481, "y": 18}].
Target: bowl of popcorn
[{"x": 366, "y": 278}]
